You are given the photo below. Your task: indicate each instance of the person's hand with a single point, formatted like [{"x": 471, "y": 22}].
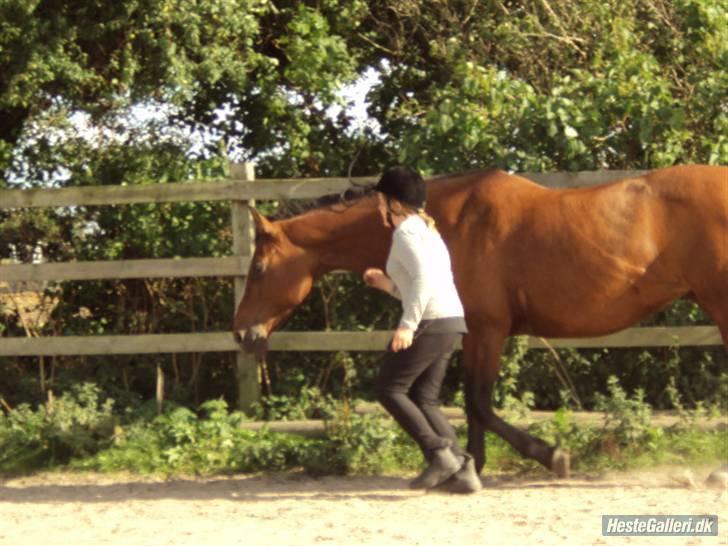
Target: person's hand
[
  {"x": 376, "y": 278},
  {"x": 402, "y": 339}
]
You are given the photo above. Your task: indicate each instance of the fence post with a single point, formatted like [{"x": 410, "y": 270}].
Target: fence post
[{"x": 244, "y": 245}]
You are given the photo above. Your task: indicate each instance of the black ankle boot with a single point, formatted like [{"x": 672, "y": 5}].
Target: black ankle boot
[
  {"x": 443, "y": 464},
  {"x": 464, "y": 481}
]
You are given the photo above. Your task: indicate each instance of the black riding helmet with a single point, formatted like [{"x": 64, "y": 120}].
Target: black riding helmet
[{"x": 404, "y": 184}]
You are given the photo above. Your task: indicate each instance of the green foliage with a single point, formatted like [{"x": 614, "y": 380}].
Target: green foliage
[
  {"x": 284, "y": 408},
  {"x": 106, "y": 55},
  {"x": 627, "y": 418},
  {"x": 626, "y": 439},
  {"x": 554, "y": 86},
  {"x": 355, "y": 445},
  {"x": 123, "y": 92},
  {"x": 179, "y": 441},
  {"x": 81, "y": 432},
  {"x": 75, "y": 425},
  {"x": 529, "y": 86},
  {"x": 511, "y": 361},
  {"x": 690, "y": 417}
]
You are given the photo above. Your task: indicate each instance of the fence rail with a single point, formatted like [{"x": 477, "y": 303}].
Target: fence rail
[
  {"x": 228, "y": 266},
  {"x": 241, "y": 189},
  {"x": 324, "y": 341},
  {"x": 316, "y": 428}
]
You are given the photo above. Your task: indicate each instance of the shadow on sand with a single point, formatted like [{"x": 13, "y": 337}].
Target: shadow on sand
[{"x": 56, "y": 488}]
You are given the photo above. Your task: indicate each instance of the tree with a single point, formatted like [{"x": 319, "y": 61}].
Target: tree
[
  {"x": 139, "y": 91},
  {"x": 548, "y": 86}
]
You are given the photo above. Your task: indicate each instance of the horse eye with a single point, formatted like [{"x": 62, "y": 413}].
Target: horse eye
[{"x": 258, "y": 268}]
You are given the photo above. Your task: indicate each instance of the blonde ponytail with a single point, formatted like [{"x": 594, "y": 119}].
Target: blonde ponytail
[
  {"x": 429, "y": 220},
  {"x": 407, "y": 210}
]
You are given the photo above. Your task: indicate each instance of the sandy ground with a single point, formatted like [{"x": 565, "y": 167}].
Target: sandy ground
[{"x": 293, "y": 509}]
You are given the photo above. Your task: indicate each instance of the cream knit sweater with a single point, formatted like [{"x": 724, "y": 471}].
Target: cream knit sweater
[{"x": 419, "y": 265}]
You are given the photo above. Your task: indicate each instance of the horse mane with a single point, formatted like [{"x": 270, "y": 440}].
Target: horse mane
[
  {"x": 480, "y": 171},
  {"x": 288, "y": 208}
]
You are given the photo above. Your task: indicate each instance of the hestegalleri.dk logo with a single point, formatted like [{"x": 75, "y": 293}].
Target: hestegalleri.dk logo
[{"x": 666, "y": 526}]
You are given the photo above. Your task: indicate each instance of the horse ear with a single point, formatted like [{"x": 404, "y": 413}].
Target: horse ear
[{"x": 263, "y": 226}]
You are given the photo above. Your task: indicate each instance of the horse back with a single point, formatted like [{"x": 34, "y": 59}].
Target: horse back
[{"x": 585, "y": 261}]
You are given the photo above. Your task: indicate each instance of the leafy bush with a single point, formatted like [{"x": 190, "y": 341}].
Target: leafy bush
[
  {"x": 75, "y": 425},
  {"x": 80, "y": 430},
  {"x": 179, "y": 441},
  {"x": 627, "y": 418},
  {"x": 355, "y": 444},
  {"x": 311, "y": 403}
]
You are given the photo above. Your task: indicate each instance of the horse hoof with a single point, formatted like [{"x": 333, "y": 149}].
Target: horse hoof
[
  {"x": 561, "y": 463},
  {"x": 718, "y": 479}
]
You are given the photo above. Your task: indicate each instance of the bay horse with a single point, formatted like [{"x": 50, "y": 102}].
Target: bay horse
[{"x": 526, "y": 260}]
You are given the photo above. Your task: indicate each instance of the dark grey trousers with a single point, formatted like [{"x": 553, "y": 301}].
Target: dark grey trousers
[{"x": 409, "y": 388}]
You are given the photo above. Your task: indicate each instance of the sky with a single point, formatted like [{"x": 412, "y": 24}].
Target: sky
[{"x": 353, "y": 97}]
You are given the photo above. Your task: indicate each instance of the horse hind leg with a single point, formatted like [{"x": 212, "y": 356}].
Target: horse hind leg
[{"x": 551, "y": 457}]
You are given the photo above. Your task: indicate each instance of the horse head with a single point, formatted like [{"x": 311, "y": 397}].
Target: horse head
[{"x": 279, "y": 279}]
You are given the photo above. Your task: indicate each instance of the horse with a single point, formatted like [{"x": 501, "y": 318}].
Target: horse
[{"x": 526, "y": 260}]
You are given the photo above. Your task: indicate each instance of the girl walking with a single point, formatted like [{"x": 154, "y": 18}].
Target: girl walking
[{"x": 418, "y": 271}]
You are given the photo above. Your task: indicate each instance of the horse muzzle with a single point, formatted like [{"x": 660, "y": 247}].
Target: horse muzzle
[{"x": 254, "y": 340}]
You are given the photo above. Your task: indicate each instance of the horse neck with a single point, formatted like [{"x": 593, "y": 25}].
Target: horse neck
[{"x": 350, "y": 239}]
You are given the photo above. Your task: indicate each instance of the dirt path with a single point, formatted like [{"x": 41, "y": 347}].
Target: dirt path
[{"x": 292, "y": 509}]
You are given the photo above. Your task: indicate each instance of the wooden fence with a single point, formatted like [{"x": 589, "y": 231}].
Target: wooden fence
[
  {"x": 242, "y": 189},
  {"x": 316, "y": 428}
]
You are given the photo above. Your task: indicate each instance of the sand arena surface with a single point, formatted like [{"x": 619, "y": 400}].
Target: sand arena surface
[{"x": 294, "y": 509}]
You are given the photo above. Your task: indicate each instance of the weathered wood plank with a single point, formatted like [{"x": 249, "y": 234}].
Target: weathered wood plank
[
  {"x": 377, "y": 340},
  {"x": 320, "y": 341},
  {"x": 561, "y": 179},
  {"x": 330, "y": 341},
  {"x": 243, "y": 230},
  {"x": 316, "y": 428},
  {"x": 226, "y": 190},
  {"x": 579, "y": 179},
  {"x": 126, "y": 269},
  {"x": 242, "y": 190},
  {"x": 641, "y": 337},
  {"x": 658, "y": 417},
  {"x": 119, "y": 345}
]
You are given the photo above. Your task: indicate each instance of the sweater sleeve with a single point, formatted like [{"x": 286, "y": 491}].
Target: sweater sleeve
[{"x": 417, "y": 293}]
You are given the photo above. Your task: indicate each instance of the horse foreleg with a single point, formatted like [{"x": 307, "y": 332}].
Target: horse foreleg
[
  {"x": 476, "y": 431},
  {"x": 723, "y": 328},
  {"x": 481, "y": 380},
  {"x": 715, "y": 304}
]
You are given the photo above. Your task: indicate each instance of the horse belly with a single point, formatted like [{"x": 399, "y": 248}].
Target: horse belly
[
  {"x": 596, "y": 278},
  {"x": 590, "y": 316}
]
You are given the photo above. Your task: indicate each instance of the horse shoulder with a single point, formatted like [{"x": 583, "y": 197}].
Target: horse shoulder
[{"x": 483, "y": 248}]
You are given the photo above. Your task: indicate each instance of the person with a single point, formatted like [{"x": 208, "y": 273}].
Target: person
[{"x": 418, "y": 271}]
